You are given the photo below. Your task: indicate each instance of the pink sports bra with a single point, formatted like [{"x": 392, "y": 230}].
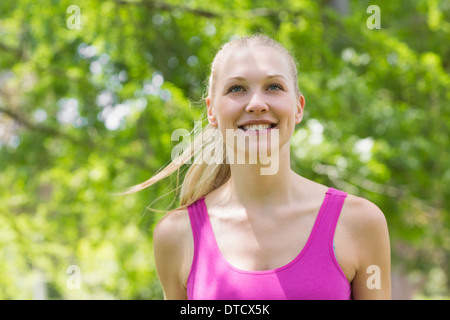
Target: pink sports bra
[{"x": 313, "y": 275}]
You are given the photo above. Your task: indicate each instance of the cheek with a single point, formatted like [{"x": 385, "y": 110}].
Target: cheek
[
  {"x": 288, "y": 109},
  {"x": 227, "y": 110}
]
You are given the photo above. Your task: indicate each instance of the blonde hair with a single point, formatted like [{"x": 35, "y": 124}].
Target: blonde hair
[{"x": 203, "y": 178}]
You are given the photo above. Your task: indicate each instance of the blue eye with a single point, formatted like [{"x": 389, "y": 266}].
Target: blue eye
[
  {"x": 275, "y": 86},
  {"x": 236, "y": 88}
]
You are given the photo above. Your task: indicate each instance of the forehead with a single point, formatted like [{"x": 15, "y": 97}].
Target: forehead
[{"x": 252, "y": 62}]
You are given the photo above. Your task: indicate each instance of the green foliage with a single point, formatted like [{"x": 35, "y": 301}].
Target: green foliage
[{"x": 88, "y": 112}]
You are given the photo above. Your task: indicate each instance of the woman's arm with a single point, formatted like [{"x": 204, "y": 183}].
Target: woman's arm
[
  {"x": 172, "y": 242},
  {"x": 373, "y": 259}
]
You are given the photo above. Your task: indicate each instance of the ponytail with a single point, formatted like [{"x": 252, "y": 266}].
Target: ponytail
[{"x": 202, "y": 177}]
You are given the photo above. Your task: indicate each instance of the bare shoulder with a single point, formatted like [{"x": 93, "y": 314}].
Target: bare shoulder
[
  {"x": 172, "y": 230},
  {"x": 368, "y": 238},
  {"x": 362, "y": 216},
  {"x": 173, "y": 249},
  {"x": 367, "y": 233}
]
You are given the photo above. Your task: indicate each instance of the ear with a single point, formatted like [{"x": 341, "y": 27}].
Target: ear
[
  {"x": 299, "y": 109},
  {"x": 210, "y": 112}
]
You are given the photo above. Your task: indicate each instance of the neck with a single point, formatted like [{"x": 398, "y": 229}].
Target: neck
[{"x": 255, "y": 188}]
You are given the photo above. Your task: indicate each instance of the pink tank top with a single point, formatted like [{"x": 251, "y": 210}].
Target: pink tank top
[{"x": 313, "y": 275}]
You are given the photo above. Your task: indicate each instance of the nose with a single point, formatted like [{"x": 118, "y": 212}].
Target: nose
[{"x": 257, "y": 104}]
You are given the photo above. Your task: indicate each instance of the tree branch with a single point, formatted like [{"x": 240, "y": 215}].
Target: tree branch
[
  {"x": 157, "y": 5},
  {"x": 34, "y": 127},
  {"x": 15, "y": 51},
  {"x": 252, "y": 13}
]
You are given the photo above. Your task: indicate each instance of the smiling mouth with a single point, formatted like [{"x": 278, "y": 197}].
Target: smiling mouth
[{"x": 258, "y": 127}]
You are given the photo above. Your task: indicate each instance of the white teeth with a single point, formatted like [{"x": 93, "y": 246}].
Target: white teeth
[{"x": 257, "y": 127}]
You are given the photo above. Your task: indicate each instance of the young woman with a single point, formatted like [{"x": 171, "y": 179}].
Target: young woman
[{"x": 241, "y": 234}]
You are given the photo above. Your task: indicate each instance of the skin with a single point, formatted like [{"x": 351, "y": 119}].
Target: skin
[{"x": 258, "y": 227}]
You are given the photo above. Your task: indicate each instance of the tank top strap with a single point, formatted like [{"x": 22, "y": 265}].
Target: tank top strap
[
  {"x": 200, "y": 225},
  {"x": 327, "y": 220}
]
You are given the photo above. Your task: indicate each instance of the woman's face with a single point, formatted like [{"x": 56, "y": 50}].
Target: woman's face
[{"x": 255, "y": 84}]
